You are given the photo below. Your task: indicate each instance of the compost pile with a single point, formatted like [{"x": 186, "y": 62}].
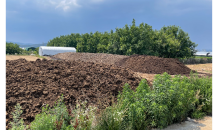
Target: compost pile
[
  {"x": 90, "y": 57},
  {"x": 137, "y": 63},
  {"x": 153, "y": 65},
  {"x": 33, "y": 84}
]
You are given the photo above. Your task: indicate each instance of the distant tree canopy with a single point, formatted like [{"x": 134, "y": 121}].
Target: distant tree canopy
[
  {"x": 168, "y": 42},
  {"x": 12, "y": 48}
]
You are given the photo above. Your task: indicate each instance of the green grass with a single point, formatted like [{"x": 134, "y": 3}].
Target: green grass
[
  {"x": 203, "y": 57},
  {"x": 169, "y": 100}
]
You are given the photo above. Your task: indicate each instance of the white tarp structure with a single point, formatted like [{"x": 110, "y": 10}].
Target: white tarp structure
[{"x": 49, "y": 50}]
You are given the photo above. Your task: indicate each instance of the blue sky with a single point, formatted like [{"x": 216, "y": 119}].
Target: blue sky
[{"x": 38, "y": 21}]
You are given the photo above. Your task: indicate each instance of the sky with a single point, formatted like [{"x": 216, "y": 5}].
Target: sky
[{"x": 38, "y": 21}]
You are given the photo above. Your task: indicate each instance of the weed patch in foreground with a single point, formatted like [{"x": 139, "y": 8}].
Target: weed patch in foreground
[{"x": 169, "y": 100}]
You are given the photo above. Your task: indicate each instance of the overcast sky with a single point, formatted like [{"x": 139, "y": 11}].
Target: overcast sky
[{"x": 38, "y": 21}]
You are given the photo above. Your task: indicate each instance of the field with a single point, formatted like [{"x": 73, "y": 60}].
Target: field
[
  {"x": 205, "y": 68},
  {"x": 15, "y": 57},
  {"x": 35, "y": 83}
]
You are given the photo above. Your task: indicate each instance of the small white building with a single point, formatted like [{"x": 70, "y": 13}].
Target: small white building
[{"x": 50, "y": 50}]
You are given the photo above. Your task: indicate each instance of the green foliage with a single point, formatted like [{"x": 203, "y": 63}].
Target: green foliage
[
  {"x": 173, "y": 42},
  {"x": 169, "y": 100},
  {"x": 204, "y": 88},
  {"x": 65, "y": 41},
  {"x": 17, "y": 124},
  {"x": 58, "y": 118},
  {"x": 169, "y": 42},
  {"x": 112, "y": 118},
  {"x": 12, "y": 48}
]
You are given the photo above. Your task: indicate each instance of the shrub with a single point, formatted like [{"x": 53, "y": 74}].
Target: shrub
[
  {"x": 112, "y": 118},
  {"x": 17, "y": 124},
  {"x": 170, "y": 100},
  {"x": 59, "y": 118},
  {"x": 12, "y": 48}
]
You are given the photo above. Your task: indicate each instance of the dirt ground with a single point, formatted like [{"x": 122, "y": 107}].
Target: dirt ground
[
  {"x": 15, "y": 57},
  {"x": 205, "y": 68}
]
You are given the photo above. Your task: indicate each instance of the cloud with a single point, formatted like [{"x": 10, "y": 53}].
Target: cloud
[
  {"x": 65, "y": 4},
  {"x": 53, "y": 5}
]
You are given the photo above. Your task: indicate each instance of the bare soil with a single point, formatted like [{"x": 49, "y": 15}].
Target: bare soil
[{"x": 204, "y": 68}]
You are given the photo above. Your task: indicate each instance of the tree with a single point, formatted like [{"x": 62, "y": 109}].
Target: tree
[
  {"x": 173, "y": 42},
  {"x": 12, "y": 48}
]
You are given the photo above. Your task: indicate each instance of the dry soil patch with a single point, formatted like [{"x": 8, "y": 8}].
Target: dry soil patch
[
  {"x": 15, "y": 57},
  {"x": 205, "y": 68}
]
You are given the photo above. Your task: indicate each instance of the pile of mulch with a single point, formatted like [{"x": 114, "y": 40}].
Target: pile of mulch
[
  {"x": 153, "y": 65},
  {"x": 89, "y": 57},
  {"x": 137, "y": 63},
  {"x": 34, "y": 84}
]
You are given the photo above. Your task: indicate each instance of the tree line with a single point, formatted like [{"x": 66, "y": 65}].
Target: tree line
[
  {"x": 12, "y": 48},
  {"x": 168, "y": 42}
]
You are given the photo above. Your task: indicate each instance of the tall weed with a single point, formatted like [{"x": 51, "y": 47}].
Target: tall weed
[{"x": 169, "y": 100}]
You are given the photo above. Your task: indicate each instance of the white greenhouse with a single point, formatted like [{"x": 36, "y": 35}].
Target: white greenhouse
[{"x": 50, "y": 50}]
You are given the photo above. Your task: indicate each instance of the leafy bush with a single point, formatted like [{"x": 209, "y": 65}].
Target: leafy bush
[
  {"x": 17, "y": 124},
  {"x": 204, "y": 87},
  {"x": 112, "y": 118},
  {"x": 59, "y": 118},
  {"x": 12, "y": 48},
  {"x": 169, "y": 100}
]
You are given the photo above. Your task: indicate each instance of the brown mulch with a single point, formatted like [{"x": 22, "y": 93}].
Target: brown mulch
[
  {"x": 153, "y": 65},
  {"x": 36, "y": 83},
  {"x": 104, "y": 58}
]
